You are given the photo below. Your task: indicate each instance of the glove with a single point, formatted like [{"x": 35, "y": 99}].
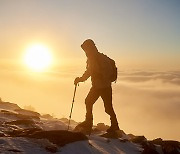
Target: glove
[{"x": 77, "y": 80}]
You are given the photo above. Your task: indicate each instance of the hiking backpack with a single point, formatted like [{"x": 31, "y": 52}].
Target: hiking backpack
[
  {"x": 114, "y": 71},
  {"x": 110, "y": 68}
]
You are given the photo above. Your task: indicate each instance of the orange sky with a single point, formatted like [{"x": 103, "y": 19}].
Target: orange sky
[{"x": 142, "y": 37}]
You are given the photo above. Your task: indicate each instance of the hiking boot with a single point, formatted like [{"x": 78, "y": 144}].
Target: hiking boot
[
  {"x": 85, "y": 127},
  {"x": 113, "y": 129},
  {"x": 85, "y": 124}
]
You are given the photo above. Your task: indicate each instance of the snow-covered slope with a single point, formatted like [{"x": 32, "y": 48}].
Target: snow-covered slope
[
  {"x": 99, "y": 145},
  {"x": 23, "y": 131}
]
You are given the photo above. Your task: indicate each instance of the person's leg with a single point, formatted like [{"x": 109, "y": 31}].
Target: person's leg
[
  {"x": 106, "y": 95},
  {"x": 91, "y": 98},
  {"x": 86, "y": 126}
]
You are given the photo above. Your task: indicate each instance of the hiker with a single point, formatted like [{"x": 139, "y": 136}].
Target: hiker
[{"x": 99, "y": 68}]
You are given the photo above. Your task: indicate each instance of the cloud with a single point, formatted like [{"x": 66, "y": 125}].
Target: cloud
[
  {"x": 172, "y": 77},
  {"x": 160, "y": 90},
  {"x": 150, "y": 100},
  {"x": 144, "y": 101}
]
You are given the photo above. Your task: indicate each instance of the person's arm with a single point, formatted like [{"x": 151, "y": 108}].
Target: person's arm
[{"x": 84, "y": 77}]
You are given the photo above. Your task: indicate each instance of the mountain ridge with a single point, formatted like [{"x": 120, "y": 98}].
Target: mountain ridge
[{"x": 51, "y": 135}]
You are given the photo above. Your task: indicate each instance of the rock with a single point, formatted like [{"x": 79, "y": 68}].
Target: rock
[
  {"x": 131, "y": 136},
  {"x": 22, "y": 132},
  {"x": 52, "y": 149},
  {"x": 26, "y": 117},
  {"x": 149, "y": 148},
  {"x": 65, "y": 120},
  {"x": 27, "y": 112},
  {"x": 21, "y": 122},
  {"x": 123, "y": 140},
  {"x": 14, "y": 150},
  {"x": 8, "y": 106},
  {"x": 102, "y": 127},
  {"x": 5, "y": 111},
  {"x": 168, "y": 147},
  {"x": 1, "y": 134},
  {"x": 157, "y": 141},
  {"x": 95, "y": 131},
  {"x": 8, "y": 113},
  {"x": 19, "y": 128},
  {"x": 47, "y": 116},
  {"x": 171, "y": 147},
  {"x": 18, "y": 115},
  {"x": 139, "y": 139},
  {"x": 59, "y": 137}
]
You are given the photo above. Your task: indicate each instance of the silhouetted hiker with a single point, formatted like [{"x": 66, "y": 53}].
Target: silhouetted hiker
[{"x": 103, "y": 71}]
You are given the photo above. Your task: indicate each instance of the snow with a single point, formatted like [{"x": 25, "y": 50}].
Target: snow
[
  {"x": 99, "y": 145},
  {"x": 95, "y": 144},
  {"x": 52, "y": 124},
  {"x": 23, "y": 145}
]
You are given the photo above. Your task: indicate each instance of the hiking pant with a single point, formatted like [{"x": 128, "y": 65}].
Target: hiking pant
[{"x": 106, "y": 95}]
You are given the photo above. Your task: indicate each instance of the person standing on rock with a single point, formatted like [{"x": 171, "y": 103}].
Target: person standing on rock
[{"x": 103, "y": 72}]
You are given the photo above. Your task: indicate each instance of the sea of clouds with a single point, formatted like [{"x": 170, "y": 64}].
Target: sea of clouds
[{"x": 146, "y": 102}]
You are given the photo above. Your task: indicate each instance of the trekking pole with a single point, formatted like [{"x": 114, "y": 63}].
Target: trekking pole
[{"x": 72, "y": 106}]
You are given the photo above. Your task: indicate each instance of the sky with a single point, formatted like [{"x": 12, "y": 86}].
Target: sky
[{"x": 143, "y": 38}]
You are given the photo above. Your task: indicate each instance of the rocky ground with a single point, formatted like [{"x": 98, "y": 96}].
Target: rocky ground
[{"x": 24, "y": 131}]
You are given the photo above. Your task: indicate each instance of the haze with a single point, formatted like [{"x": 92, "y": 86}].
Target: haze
[{"x": 141, "y": 36}]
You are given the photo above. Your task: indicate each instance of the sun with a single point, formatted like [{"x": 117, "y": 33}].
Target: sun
[{"x": 38, "y": 57}]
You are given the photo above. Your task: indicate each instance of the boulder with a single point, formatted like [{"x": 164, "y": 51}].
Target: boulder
[
  {"x": 139, "y": 139},
  {"x": 22, "y": 132},
  {"x": 47, "y": 116},
  {"x": 171, "y": 147},
  {"x": 8, "y": 106},
  {"x": 21, "y": 122},
  {"x": 131, "y": 136},
  {"x": 27, "y": 112},
  {"x": 1, "y": 134},
  {"x": 26, "y": 117},
  {"x": 59, "y": 137},
  {"x": 102, "y": 127},
  {"x": 149, "y": 148}
]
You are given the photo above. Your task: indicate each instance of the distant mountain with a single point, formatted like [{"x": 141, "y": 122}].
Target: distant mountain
[{"x": 24, "y": 131}]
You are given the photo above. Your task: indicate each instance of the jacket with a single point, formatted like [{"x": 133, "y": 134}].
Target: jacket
[{"x": 98, "y": 69}]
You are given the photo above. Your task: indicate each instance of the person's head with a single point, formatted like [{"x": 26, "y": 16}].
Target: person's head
[{"x": 89, "y": 47}]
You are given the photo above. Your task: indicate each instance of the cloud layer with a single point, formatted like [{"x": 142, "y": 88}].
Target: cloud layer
[
  {"x": 146, "y": 102},
  {"x": 151, "y": 101}
]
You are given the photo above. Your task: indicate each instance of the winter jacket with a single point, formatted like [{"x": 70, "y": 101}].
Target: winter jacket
[{"x": 98, "y": 68}]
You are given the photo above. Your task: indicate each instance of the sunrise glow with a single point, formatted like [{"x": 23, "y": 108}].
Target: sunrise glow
[{"x": 38, "y": 57}]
